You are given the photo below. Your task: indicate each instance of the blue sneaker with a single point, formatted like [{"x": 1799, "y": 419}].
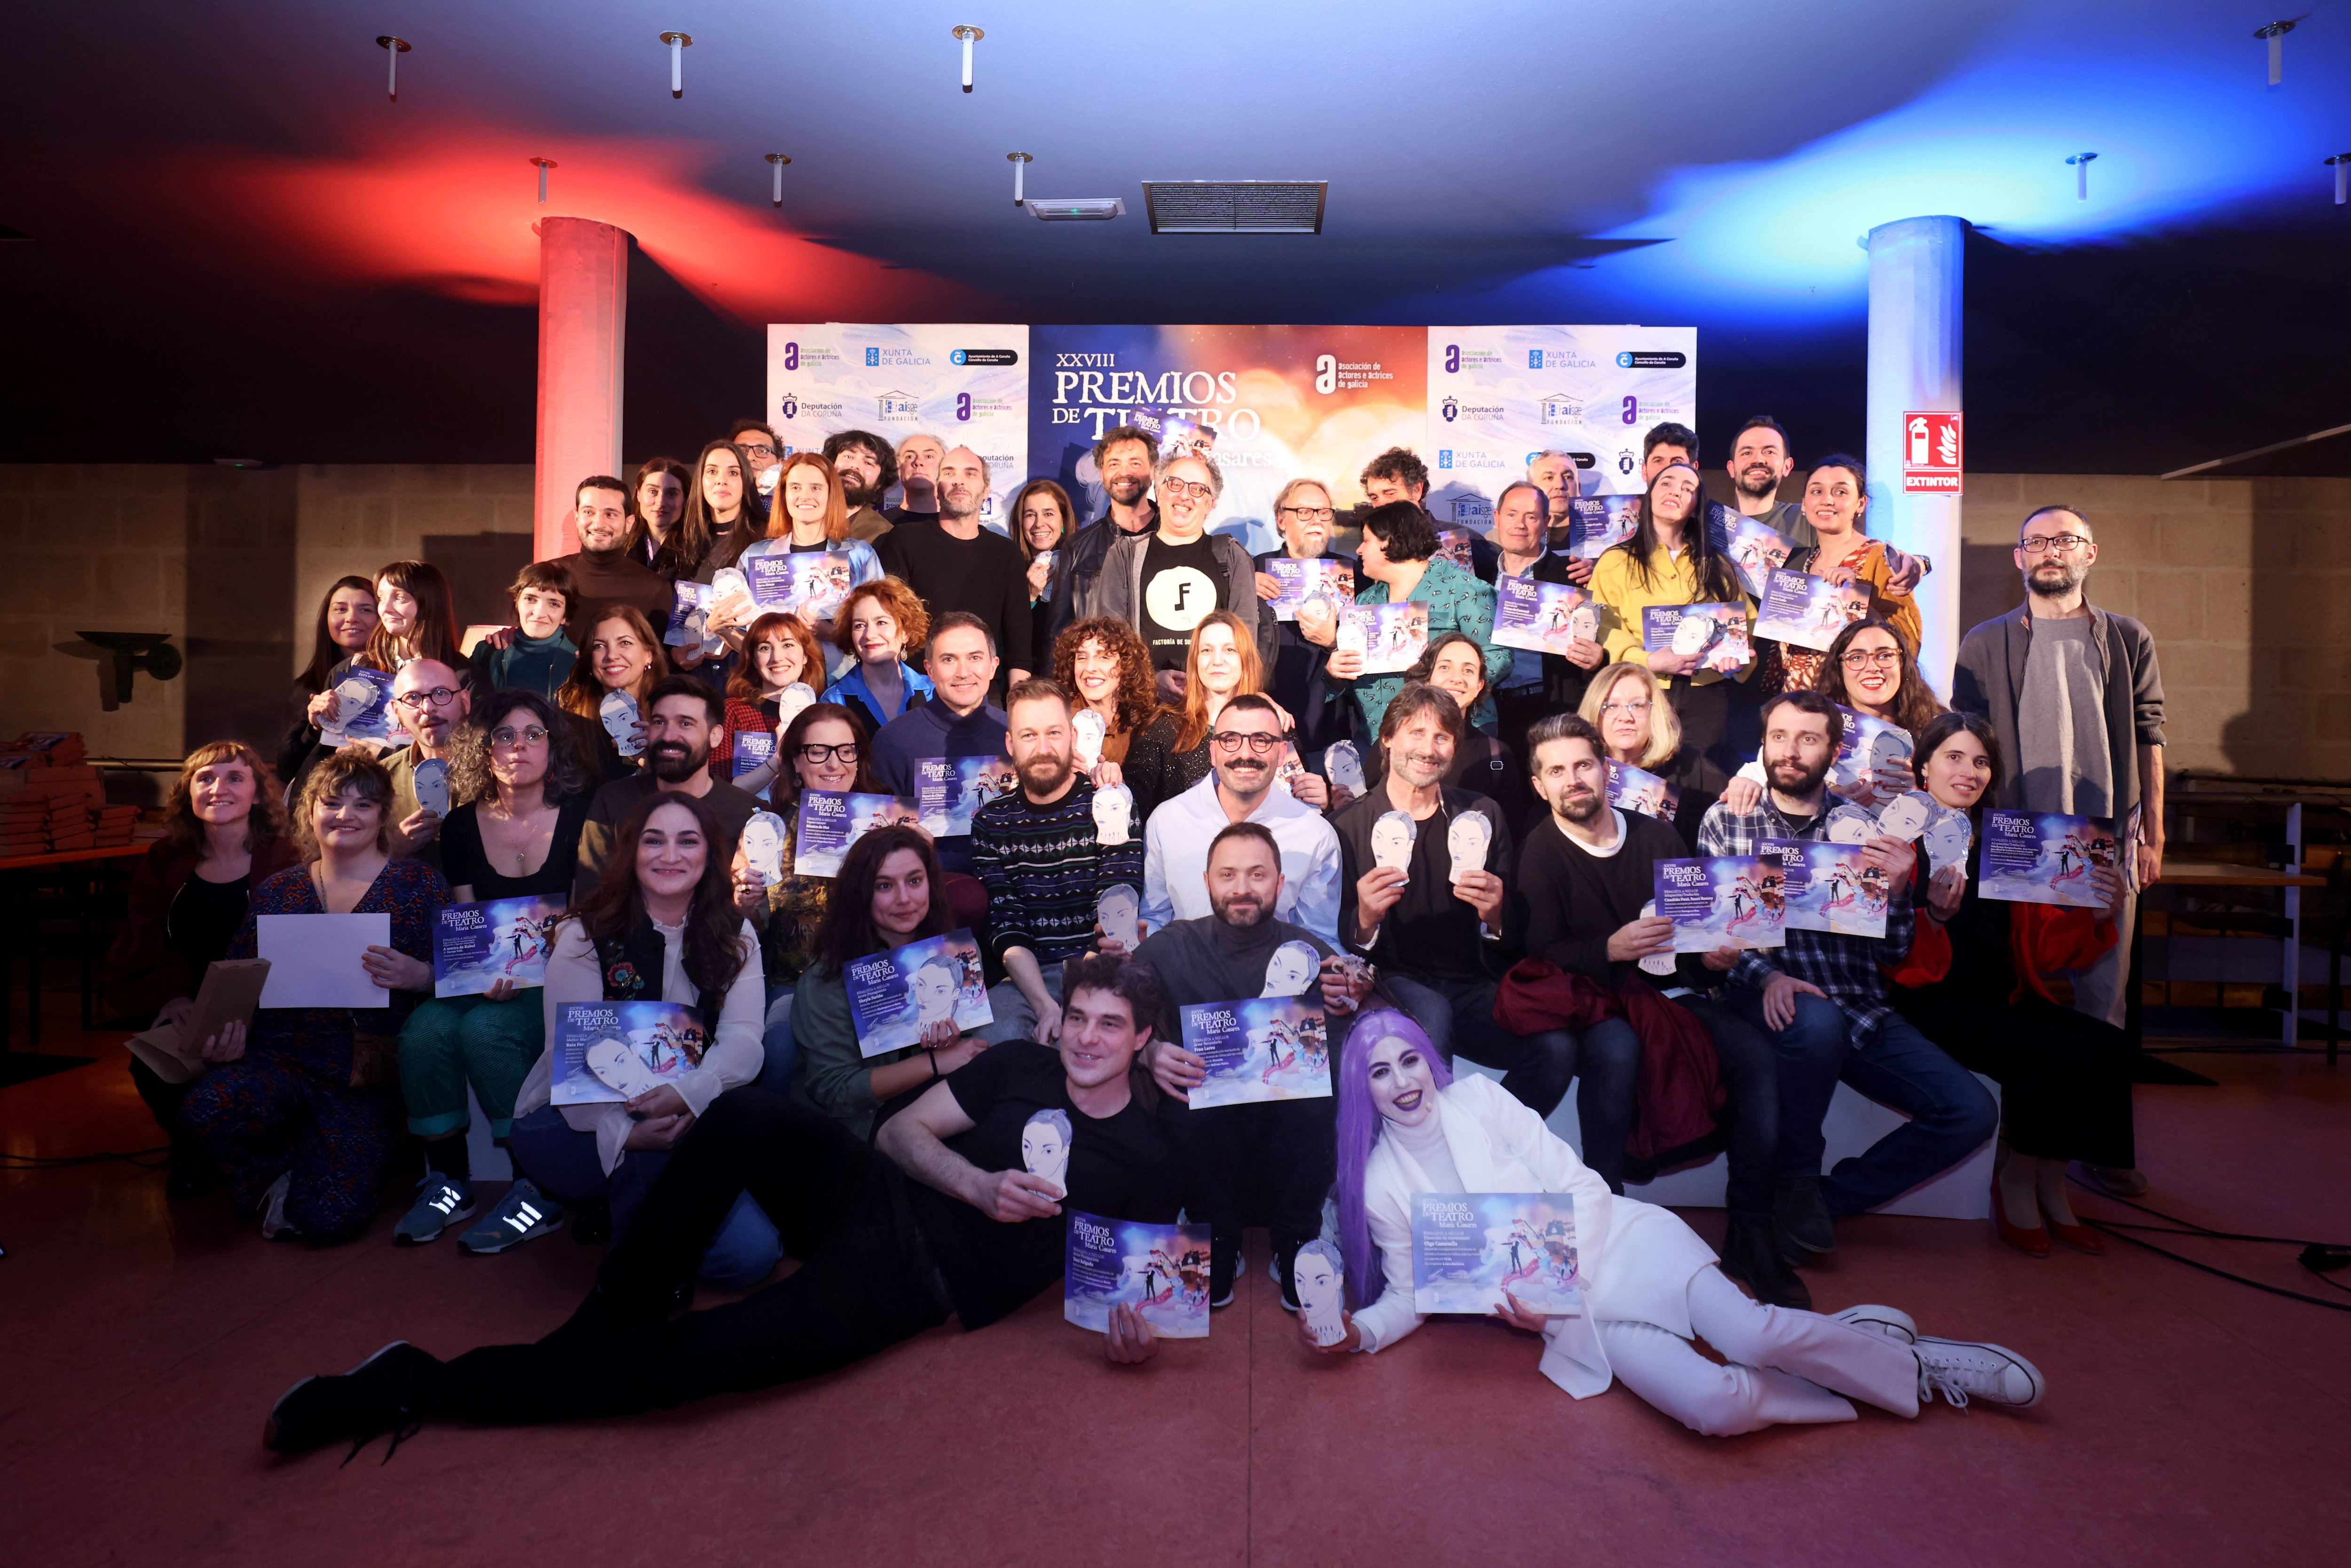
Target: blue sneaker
[
  {"x": 440, "y": 1203},
  {"x": 522, "y": 1215}
]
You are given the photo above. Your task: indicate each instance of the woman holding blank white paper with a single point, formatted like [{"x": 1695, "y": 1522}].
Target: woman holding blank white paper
[{"x": 303, "y": 1112}]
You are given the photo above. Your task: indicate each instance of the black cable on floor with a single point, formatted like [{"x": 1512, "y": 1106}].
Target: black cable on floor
[{"x": 2119, "y": 1230}]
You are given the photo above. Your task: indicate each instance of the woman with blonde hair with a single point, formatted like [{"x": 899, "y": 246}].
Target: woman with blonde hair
[
  {"x": 224, "y": 834},
  {"x": 1627, "y": 704}
]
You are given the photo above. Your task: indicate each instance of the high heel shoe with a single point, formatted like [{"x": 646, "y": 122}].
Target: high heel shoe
[
  {"x": 2033, "y": 1243},
  {"x": 2079, "y": 1237}
]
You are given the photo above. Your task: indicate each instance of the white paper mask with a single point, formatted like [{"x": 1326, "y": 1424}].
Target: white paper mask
[
  {"x": 1344, "y": 768},
  {"x": 791, "y": 700},
  {"x": 433, "y": 786},
  {"x": 619, "y": 1069},
  {"x": 1293, "y": 967},
  {"x": 1851, "y": 824},
  {"x": 1119, "y": 912},
  {"x": 1045, "y": 1146},
  {"x": 1318, "y": 1285},
  {"x": 1583, "y": 623},
  {"x": 1114, "y": 814},
  {"x": 1656, "y": 962},
  {"x": 763, "y": 846},
  {"x": 619, "y": 712},
  {"x": 1946, "y": 839},
  {"x": 1692, "y": 633},
  {"x": 352, "y": 699},
  {"x": 1392, "y": 840},
  {"x": 1088, "y": 730},
  {"x": 1907, "y": 816},
  {"x": 1467, "y": 842}
]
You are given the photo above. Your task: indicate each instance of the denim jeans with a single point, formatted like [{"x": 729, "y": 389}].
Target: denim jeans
[
  {"x": 1950, "y": 1115},
  {"x": 782, "y": 1055},
  {"x": 562, "y": 1161}
]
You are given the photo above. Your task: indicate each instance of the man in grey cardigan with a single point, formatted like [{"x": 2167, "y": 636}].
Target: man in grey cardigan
[
  {"x": 1166, "y": 581},
  {"x": 2075, "y": 695}
]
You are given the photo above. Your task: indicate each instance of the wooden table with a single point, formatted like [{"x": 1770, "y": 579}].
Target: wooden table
[{"x": 20, "y": 931}]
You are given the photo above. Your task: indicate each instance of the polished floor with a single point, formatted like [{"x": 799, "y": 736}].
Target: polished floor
[{"x": 2191, "y": 1421}]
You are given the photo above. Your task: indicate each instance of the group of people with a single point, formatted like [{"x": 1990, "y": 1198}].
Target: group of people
[{"x": 1154, "y": 738}]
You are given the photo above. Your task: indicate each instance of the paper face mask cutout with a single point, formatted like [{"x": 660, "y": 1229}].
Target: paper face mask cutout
[
  {"x": 433, "y": 786},
  {"x": 791, "y": 700},
  {"x": 1392, "y": 840},
  {"x": 1947, "y": 838},
  {"x": 1318, "y": 1285},
  {"x": 1467, "y": 842},
  {"x": 1344, "y": 768},
  {"x": 1114, "y": 814},
  {"x": 1119, "y": 912},
  {"x": 619, "y": 712},
  {"x": 352, "y": 699},
  {"x": 1851, "y": 824},
  {"x": 1293, "y": 967},
  {"x": 1656, "y": 962},
  {"x": 1693, "y": 633},
  {"x": 1045, "y": 1147},
  {"x": 1583, "y": 623},
  {"x": 763, "y": 846},
  {"x": 1906, "y": 815},
  {"x": 1088, "y": 730},
  {"x": 619, "y": 1069}
]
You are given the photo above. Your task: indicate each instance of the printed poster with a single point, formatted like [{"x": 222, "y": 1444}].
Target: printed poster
[
  {"x": 1161, "y": 1270},
  {"x": 606, "y": 1053},
  {"x": 1808, "y": 610},
  {"x": 2044, "y": 857},
  {"x": 1391, "y": 637},
  {"x": 899, "y": 992},
  {"x": 950, "y": 791},
  {"x": 1471, "y": 1249},
  {"x": 1828, "y": 886},
  {"x": 1632, "y": 789},
  {"x": 1258, "y": 1048},
  {"x": 1542, "y": 617},
  {"x": 830, "y": 820},
  {"x": 1754, "y": 547},
  {"x": 1303, "y": 579},
  {"x": 811, "y": 584},
  {"x": 1598, "y": 524},
  {"x": 1715, "y": 634},
  {"x": 1720, "y": 901},
  {"x": 476, "y": 945},
  {"x": 1873, "y": 760}
]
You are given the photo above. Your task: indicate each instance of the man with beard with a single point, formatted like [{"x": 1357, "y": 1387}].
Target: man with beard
[
  {"x": 953, "y": 564},
  {"x": 603, "y": 571},
  {"x": 2076, "y": 696},
  {"x": 1759, "y": 464},
  {"x": 428, "y": 699},
  {"x": 1399, "y": 474},
  {"x": 1439, "y": 941},
  {"x": 681, "y": 713},
  {"x": 1244, "y": 754},
  {"x": 1584, "y": 878},
  {"x": 1280, "y": 1149},
  {"x": 1822, "y": 1002},
  {"x": 1125, "y": 458},
  {"x": 918, "y": 477},
  {"x": 1166, "y": 583},
  {"x": 867, "y": 468},
  {"x": 1041, "y": 858}
]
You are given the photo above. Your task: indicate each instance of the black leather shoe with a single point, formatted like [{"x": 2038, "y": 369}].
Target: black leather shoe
[
  {"x": 1750, "y": 1255},
  {"x": 1224, "y": 1266},
  {"x": 1803, "y": 1213}
]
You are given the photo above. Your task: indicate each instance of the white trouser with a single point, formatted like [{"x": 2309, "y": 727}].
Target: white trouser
[{"x": 1784, "y": 1366}]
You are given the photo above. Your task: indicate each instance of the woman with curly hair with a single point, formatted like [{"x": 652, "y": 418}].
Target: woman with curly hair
[
  {"x": 878, "y": 623},
  {"x": 1871, "y": 670},
  {"x": 299, "y": 1110},
  {"x": 1103, "y": 663},
  {"x": 523, "y": 796},
  {"x": 223, "y": 835}
]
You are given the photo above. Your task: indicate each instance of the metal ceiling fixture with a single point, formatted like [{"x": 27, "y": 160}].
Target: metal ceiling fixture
[
  {"x": 2341, "y": 164},
  {"x": 970, "y": 35},
  {"x": 544, "y": 165},
  {"x": 1075, "y": 209},
  {"x": 678, "y": 44},
  {"x": 2275, "y": 33},
  {"x": 1236, "y": 206},
  {"x": 1020, "y": 161},
  {"x": 777, "y": 161},
  {"x": 2080, "y": 165},
  {"x": 394, "y": 48}
]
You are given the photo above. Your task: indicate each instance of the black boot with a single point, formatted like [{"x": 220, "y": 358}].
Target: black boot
[
  {"x": 1750, "y": 1255},
  {"x": 1223, "y": 1264}
]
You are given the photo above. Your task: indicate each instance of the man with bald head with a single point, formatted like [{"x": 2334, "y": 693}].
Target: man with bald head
[
  {"x": 954, "y": 562},
  {"x": 917, "y": 465},
  {"x": 428, "y": 699}
]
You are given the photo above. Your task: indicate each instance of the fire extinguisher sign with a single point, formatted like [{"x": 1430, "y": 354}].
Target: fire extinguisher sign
[{"x": 1930, "y": 452}]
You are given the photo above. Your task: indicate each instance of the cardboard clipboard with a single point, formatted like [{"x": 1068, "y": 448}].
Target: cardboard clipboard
[{"x": 230, "y": 994}]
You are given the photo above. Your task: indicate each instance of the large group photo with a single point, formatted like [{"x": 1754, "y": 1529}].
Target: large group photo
[{"x": 969, "y": 927}]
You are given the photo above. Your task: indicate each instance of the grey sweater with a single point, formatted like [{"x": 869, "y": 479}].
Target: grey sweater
[{"x": 1988, "y": 679}]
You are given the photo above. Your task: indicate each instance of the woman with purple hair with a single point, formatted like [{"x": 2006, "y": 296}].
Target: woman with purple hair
[{"x": 1406, "y": 1125}]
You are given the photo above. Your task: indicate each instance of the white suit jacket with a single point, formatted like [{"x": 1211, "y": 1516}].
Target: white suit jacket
[{"x": 1636, "y": 1259}]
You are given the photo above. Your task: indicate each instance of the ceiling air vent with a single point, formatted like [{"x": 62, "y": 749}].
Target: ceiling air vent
[{"x": 1236, "y": 206}]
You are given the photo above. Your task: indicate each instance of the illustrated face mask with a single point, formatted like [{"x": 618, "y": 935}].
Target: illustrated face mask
[{"x": 1467, "y": 842}]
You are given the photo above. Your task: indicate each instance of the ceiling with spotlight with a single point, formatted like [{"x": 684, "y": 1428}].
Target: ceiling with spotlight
[{"x": 223, "y": 235}]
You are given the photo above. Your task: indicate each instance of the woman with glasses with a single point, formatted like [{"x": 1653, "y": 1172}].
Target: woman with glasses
[
  {"x": 876, "y": 626},
  {"x": 1400, "y": 562},
  {"x": 299, "y": 1111},
  {"x": 780, "y": 649},
  {"x": 1873, "y": 671},
  {"x": 1836, "y": 497},
  {"x": 1670, "y": 560},
  {"x": 1628, "y": 706},
  {"x": 1105, "y": 667},
  {"x": 622, "y": 653},
  {"x": 1043, "y": 524},
  {"x": 1303, "y": 515},
  {"x": 522, "y": 796}
]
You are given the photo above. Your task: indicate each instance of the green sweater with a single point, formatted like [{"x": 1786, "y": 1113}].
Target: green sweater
[
  {"x": 533, "y": 664},
  {"x": 830, "y": 1075}
]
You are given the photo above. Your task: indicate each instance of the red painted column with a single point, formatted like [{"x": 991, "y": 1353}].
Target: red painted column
[{"x": 583, "y": 318}]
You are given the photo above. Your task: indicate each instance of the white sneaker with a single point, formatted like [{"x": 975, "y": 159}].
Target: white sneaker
[
  {"x": 1891, "y": 1321},
  {"x": 1964, "y": 1371},
  {"x": 274, "y": 1222}
]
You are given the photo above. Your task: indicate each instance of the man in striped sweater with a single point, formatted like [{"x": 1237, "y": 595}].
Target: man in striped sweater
[{"x": 1041, "y": 857}]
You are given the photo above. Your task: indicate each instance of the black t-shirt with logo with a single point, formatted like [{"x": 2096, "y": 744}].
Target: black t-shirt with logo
[{"x": 1180, "y": 586}]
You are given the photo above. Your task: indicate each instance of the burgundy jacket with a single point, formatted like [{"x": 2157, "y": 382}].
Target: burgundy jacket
[{"x": 1680, "y": 1087}]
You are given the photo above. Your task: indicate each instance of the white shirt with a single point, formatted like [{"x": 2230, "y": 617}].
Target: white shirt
[{"x": 1175, "y": 858}]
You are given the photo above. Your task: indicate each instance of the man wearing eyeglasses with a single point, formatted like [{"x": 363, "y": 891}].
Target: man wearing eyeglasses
[
  {"x": 1537, "y": 684},
  {"x": 1244, "y": 754},
  {"x": 1304, "y": 516},
  {"x": 765, "y": 452},
  {"x": 1166, "y": 582},
  {"x": 2076, "y": 696},
  {"x": 429, "y": 699}
]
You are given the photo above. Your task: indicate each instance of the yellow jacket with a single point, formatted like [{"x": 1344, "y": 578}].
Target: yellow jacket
[{"x": 1673, "y": 580}]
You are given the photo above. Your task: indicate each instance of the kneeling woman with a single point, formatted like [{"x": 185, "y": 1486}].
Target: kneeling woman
[
  {"x": 941, "y": 1215},
  {"x": 661, "y": 926},
  {"x": 1650, "y": 1286}
]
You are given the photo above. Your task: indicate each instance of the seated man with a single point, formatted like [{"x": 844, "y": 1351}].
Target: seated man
[
  {"x": 1235, "y": 951},
  {"x": 429, "y": 698},
  {"x": 1244, "y": 755},
  {"x": 1041, "y": 855},
  {"x": 1584, "y": 877},
  {"x": 1822, "y": 1002},
  {"x": 940, "y": 1217},
  {"x": 1439, "y": 942},
  {"x": 682, "y": 714}
]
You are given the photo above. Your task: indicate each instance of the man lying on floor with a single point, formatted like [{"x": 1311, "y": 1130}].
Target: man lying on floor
[{"x": 885, "y": 1257}]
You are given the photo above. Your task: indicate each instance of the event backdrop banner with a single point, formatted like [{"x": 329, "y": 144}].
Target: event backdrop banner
[
  {"x": 967, "y": 385},
  {"x": 1274, "y": 403},
  {"x": 1499, "y": 395}
]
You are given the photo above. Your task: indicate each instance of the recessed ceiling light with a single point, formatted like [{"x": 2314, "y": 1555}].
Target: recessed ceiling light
[{"x": 1236, "y": 206}]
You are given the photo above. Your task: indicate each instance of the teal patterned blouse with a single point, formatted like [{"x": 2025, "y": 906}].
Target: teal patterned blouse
[{"x": 1457, "y": 601}]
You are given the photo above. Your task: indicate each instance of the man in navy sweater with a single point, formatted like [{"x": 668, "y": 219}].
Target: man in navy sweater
[{"x": 957, "y": 722}]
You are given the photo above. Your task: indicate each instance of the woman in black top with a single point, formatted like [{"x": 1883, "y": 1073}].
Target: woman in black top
[
  {"x": 1043, "y": 524},
  {"x": 522, "y": 797},
  {"x": 346, "y": 622}
]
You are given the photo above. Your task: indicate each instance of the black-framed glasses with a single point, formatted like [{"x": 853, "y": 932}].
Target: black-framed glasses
[
  {"x": 846, "y": 751},
  {"x": 2051, "y": 544},
  {"x": 756, "y": 448},
  {"x": 1258, "y": 741},
  {"x": 507, "y": 735},
  {"x": 414, "y": 701}
]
